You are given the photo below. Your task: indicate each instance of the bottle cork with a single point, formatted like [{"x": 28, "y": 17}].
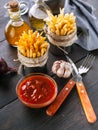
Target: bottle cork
[{"x": 14, "y": 5}]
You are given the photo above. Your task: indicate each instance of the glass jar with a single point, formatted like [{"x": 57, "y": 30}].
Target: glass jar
[
  {"x": 16, "y": 24},
  {"x": 37, "y": 13}
]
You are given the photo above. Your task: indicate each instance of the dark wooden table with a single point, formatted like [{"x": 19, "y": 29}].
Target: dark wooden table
[{"x": 15, "y": 116}]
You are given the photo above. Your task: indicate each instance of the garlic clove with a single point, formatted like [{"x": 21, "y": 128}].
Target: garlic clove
[
  {"x": 62, "y": 65},
  {"x": 67, "y": 74},
  {"x": 57, "y": 62},
  {"x": 68, "y": 70},
  {"x": 55, "y": 67},
  {"x": 60, "y": 72}
]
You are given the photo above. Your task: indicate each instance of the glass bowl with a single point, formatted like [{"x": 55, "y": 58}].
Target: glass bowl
[{"x": 36, "y": 90}]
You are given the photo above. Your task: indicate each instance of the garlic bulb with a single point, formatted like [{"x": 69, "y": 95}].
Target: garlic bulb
[{"x": 62, "y": 68}]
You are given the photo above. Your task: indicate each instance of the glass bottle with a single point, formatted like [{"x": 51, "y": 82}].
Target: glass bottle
[
  {"x": 16, "y": 24},
  {"x": 37, "y": 13}
]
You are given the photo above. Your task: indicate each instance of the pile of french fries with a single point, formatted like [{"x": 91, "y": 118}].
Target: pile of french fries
[
  {"x": 61, "y": 24},
  {"x": 32, "y": 44}
]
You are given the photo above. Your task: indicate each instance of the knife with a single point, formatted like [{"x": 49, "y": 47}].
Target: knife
[
  {"x": 63, "y": 94},
  {"x": 88, "y": 109}
]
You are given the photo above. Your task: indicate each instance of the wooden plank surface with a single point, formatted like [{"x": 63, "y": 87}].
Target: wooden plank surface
[{"x": 15, "y": 116}]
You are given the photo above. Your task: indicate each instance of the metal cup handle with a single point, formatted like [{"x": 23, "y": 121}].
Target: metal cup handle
[{"x": 23, "y": 7}]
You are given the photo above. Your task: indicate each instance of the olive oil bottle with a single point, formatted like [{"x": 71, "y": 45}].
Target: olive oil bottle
[
  {"x": 37, "y": 13},
  {"x": 16, "y": 24}
]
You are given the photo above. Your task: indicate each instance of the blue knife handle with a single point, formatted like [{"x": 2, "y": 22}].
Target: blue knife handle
[{"x": 52, "y": 109}]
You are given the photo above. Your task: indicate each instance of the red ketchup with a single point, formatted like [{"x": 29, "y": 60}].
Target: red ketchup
[{"x": 36, "y": 89}]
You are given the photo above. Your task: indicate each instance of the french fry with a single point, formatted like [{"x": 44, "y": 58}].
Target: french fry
[
  {"x": 31, "y": 53},
  {"x": 32, "y": 44},
  {"x": 44, "y": 45},
  {"x": 43, "y": 50},
  {"x": 61, "y": 24},
  {"x": 38, "y": 54},
  {"x": 28, "y": 52}
]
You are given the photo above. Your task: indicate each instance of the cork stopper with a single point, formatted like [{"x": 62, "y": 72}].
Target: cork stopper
[{"x": 14, "y": 5}]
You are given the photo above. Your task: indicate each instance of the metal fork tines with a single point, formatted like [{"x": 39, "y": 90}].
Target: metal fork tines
[{"x": 87, "y": 63}]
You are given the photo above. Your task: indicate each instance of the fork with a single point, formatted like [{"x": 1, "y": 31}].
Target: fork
[
  {"x": 87, "y": 64},
  {"x": 84, "y": 68}
]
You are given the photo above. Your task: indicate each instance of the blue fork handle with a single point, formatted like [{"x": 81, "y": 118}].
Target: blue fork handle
[{"x": 52, "y": 109}]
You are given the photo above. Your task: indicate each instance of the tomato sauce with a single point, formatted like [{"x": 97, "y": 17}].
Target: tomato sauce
[{"x": 36, "y": 89}]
